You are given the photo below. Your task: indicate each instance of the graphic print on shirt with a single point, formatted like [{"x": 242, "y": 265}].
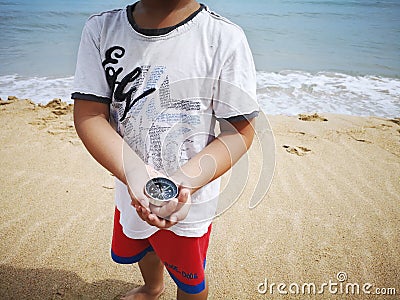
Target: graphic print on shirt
[
  {"x": 156, "y": 126},
  {"x": 112, "y": 76}
]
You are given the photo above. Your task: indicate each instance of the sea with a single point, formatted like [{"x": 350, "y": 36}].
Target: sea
[{"x": 332, "y": 56}]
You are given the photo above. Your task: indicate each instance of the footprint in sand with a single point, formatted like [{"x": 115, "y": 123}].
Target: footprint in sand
[
  {"x": 313, "y": 117},
  {"x": 298, "y": 150},
  {"x": 58, "y": 107},
  {"x": 10, "y": 100},
  {"x": 395, "y": 120}
]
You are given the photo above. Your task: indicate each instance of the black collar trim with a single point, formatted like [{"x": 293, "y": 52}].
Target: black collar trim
[{"x": 158, "y": 31}]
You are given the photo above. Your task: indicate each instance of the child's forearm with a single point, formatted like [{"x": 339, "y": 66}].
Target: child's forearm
[
  {"x": 99, "y": 138},
  {"x": 218, "y": 157},
  {"x": 105, "y": 145}
]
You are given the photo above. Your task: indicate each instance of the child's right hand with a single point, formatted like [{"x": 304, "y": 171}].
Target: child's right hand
[{"x": 136, "y": 183}]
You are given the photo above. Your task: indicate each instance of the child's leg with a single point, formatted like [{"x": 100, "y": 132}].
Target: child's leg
[
  {"x": 125, "y": 250},
  {"x": 181, "y": 295},
  {"x": 185, "y": 260},
  {"x": 152, "y": 270}
]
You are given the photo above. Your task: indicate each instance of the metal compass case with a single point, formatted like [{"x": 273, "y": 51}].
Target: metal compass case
[{"x": 160, "y": 190}]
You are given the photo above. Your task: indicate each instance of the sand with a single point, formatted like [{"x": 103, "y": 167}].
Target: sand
[{"x": 333, "y": 206}]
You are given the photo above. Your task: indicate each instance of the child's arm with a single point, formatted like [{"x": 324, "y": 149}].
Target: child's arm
[
  {"x": 219, "y": 156},
  {"x": 106, "y": 146},
  {"x": 209, "y": 164},
  {"x": 100, "y": 139}
]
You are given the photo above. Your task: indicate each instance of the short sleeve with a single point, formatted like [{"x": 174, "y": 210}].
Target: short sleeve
[
  {"x": 90, "y": 81},
  {"x": 235, "y": 96}
]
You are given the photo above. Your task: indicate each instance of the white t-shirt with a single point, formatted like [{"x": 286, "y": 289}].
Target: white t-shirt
[{"x": 166, "y": 89}]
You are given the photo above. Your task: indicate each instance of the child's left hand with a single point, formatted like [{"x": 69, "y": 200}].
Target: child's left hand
[{"x": 168, "y": 215}]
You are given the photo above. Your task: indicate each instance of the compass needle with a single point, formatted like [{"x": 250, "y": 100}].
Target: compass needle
[{"x": 161, "y": 190}]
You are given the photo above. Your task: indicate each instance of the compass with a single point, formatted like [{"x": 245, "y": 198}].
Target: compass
[{"x": 160, "y": 190}]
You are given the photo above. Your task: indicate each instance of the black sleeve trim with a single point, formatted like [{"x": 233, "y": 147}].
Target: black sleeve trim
[
  {"x": 91, "y": 97},
  {"x": 242, "y": 117}
]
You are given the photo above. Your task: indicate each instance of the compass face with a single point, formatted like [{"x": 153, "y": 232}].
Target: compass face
[{"x": 161, "y": 189}]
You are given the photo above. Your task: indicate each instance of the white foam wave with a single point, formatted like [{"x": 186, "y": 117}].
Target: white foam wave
[
  {"x": 293, "y": 92},
  {"x": 38, "y": 89},
  {"x": 288, "y": 92}
]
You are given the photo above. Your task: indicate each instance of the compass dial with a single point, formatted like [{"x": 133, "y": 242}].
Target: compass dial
[{"x": 161, "y": 190}]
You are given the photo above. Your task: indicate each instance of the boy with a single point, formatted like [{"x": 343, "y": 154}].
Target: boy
[{"x": 150, "y": 82}]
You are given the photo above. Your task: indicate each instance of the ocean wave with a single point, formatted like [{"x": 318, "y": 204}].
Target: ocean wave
[
  {"x": 293, "y": 92},
  {"x": 286, "y": 92},
  {"x": 38, "y": 89}
]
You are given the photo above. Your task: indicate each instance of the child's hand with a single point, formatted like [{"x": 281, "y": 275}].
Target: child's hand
[
  {"x": 136, "y": 186},
  {"x": 165, "y": 216},
  {"x": 173, "y": 212}
]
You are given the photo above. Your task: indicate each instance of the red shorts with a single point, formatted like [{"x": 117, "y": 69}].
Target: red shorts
[{"x": 184, "y": 257}]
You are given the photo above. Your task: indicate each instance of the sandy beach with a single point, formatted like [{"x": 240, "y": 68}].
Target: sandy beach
[{"x": 332, "y": 213}]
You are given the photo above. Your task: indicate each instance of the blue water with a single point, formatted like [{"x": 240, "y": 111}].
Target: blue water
[
  {"x": 356, "y": 44},
  {"x": 40, "y": 38},
  {"x": 353, "y": 37}
]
